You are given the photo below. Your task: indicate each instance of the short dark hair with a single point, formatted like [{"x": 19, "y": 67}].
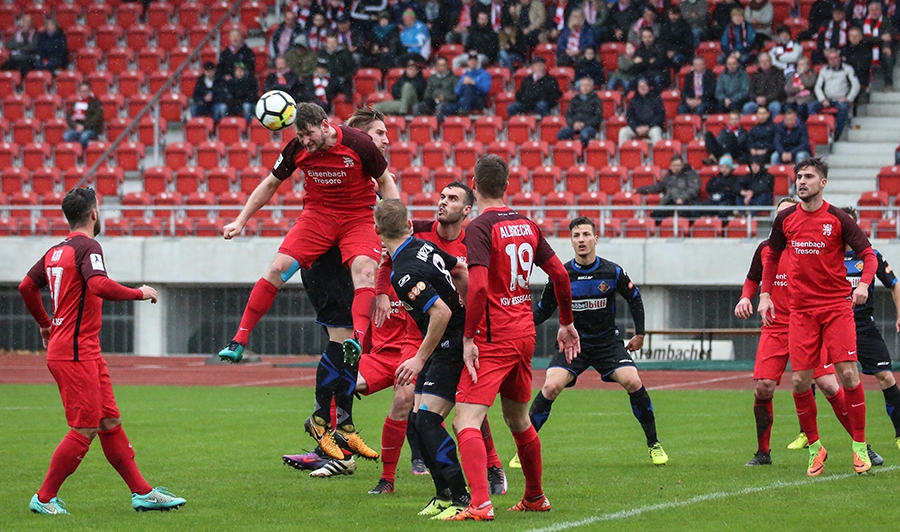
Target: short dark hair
[
  {"x": 790, "y": 110},
  {"x": 308, "y": 115},
  {"x": 491, "y": 176},
  {"x": 646, "y": 28},
  {"x": 784, "y": 29},
  {"x": 363, "y": 118},
  {"x": 676, "y": 157},
  {"x": 817, "y": 163},
  {"x": 77, "y": 205},
  {"x": 391, "y": 218},
  {"x": 852, "y": 212},
  {"x": 786, "y": 199},
  {"x": 583, "y": 220},
  {"x": 469, "y": 198}
]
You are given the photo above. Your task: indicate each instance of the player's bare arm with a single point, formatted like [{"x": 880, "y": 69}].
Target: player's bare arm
[
  {"x": 387, "y": 186},
  {"x": 438, "y": 317},
  {"x": 257, "y": 200}
]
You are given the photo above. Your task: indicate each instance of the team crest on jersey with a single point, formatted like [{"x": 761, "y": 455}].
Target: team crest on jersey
[
  {"x": 826, "y": 229},
  {"x": 604, "y": 287},
  {"x": 859, "y": 266},
  {"x": 348, "y": 162},
  {"x": 57, "y": 253}
]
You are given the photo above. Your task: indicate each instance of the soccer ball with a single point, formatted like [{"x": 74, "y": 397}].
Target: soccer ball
[{"x": 276, "y": 110}]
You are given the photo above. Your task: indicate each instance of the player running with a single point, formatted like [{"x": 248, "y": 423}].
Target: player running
[
  {"x": 75, "y": 273},
  {"x": 815, "y": 233},
  {"x": 432, "y": 285},
  {"x": 339, "y": 163},
  {"x": 500, "y": 336},
  {"x": 595, "y": 282},
  {"x": 772, "y": 355},
  {"x": 873, "y": 353}
]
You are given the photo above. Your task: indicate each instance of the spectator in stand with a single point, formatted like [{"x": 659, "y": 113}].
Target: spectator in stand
[
  {"x": 761, "y": 139},
  {"x": 590, "y": 66},
  {"x": 596, "y": 13},
  {"x": 676, "y": 38},
  {"x": 721, "y": 18},
  {"x": 622, "y": 16},
  {"x": 482, "y": 39},
  {"x": 858, "y": 55},
  {"x": 731, "y": 140},
  {"x": 317, "y": 32},
  {"x": 857, "y": 11},
  {"x": 415, "y": 39},
  {"x": 407, "y": 92},
  {"x": 538, "y": 93},
  {"x": 583, "y": 114},
  {"x": 471, "y": 90},
  {"x": 832, "y": 34},
  {"x": 304, "y": 11},
  {"x": 437, "y": 21},
  {"x": 341, "y": 68},
  {"x": 879, "y": 32},
  {"x": 680, "y": 186},
  {"x": 650, "y": 61},
  {"x": 786, "y": 51},
  {"x": 766, "y": 87},
  {"x": 800, "y": 88},
  {"x": 383, "y": 44},
  {"x": 463, "y": 13},
  {"x": 836, "y": 87},
  {"x": 53, "y": 50},
  {"x": 23, "y": 47},
  {"x": 558, "y": 16},
  {"x": 757, "y": 187},
  {"x": 209, "y": 94},
  {"x": 85, "y": 117},
  {"x": 791, "y": 140},
  {"x": 283, "y": 78},
  {"x": 348, "y": 39},
  {"x": 722, "y": 188},
  {"x": 400, "y": 7},
  {"x": 301, "y": 59},
  {"x": 321, "y": 81},
  {"x": 530, "y": 16},
  {"x": 497, "y": 13},
  {"x": 574, "y": 39},
  {"x": 698, "y": 94},
  {"x": 739, "y": 36},
  {"x": 648, "y": 20},
  {"x": 624, "y": 76},
  {"x": 733, "y": 86},
  {"x": 820, "y": 13},
  {"x": 646, "y": 116},
  {"x": 243, "y": 91},
  {"x": 511, "y": 42},
  {"x": 285, "y": 35},
  {"x": 759, "y": 14},
  {"x": 696, "y": 13},
  {"x": 439, "y": 89},
  {"x": 236, "y": 52}
]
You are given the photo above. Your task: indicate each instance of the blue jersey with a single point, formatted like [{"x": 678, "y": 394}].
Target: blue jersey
[{"x": 865, "y": 313}]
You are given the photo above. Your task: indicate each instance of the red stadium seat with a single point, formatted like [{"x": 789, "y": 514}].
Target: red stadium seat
[
  {"x": 199, "y": 199},
  {"x": 877, "y": 198},
  {"x": 533, "y": 153},
  {"x": 294, "y": 200},
  {"x": 138, "y": 36},
  {"x": 169, "y": 36},
  {"x": 187, "y": 179},
  {"x": 671, "y": 99},
  {"x": 455, "y": 129},
  {"x": 151, "y": 59},
  {"x": 487, "y": 129},
  {"x": 9, "y": 81},
  {"x": 269, "y": 227},
  {"x": 177, "y": 56},
  {"x": 445, "y": 175},
  {"x": 527, "y": 202},
  {"x": 189, "y": 79},
  {"x": 139, "y": 199},
  {"x": 128, "y": 14},
  {"x": 241, "y": 154},
  {"x": 179, "y": 154},
  {"x": 563, "y": 200},
  {"x": 644, "y": 175},
  {"x": 550, "y": 126},
  {"x": 609, "y": 54},
  {"x": 547, "y": 51},
  {"x": 95, "y": 151},
  {"x": 44, "y": 180},
  {"x": 664, "y": 150},
  {"x": 611, "y": 178},
  {"x": 449, "y": 51},
  {"x": 696, "y": 152},
  {"x": 220, "y": 179},
  {"x": 112, "y": 105},
  {"x": 888, "y": 180},
  {"x": 625, "y": 199},
  {"x": 367, "y": 80},
  {"x": 546, "y": 226},
  {"x": 707, "y": 227},
  {"x": 739, "y": 228},
  {"x": 77, "y": 36},
  {"x": 136, "y": 103},
  {"x": 251, "y": 178},
  {"x": 518, "y": 176},
  {"x": 435, "y": 154},
  {"x": 639, "y": 228},
  {"x": 784, "y": 176},
  {"x": 131, "y": 83},
  {"x": 467, "y": 153},
  {"x": 231, "y": 129},
  {"x": 669, "y": 229},
  {"x": 612, "y": 104},
  {"x": 172, "y": 106},
  {"x": 502, "y": 102},
  {"x": 108, "y": 179},
  {"x": 67, "y": 15},
  {"x": 567, "y": 153},
  {"x": 108, "y": 36},
  {"x": 423, "y": 128},
  {"x": 156, "y": 180},
  {"x": 403, "y": 154},
  {"x": 68, "y": 154},
  {"x": 821, "y": 129},
  {"x": 589, "y": 204},
  {"x": 37, "y": 82},
  {"x": 129, "y": 155},
  {"x": 633, "y": 153},
  {"x": 14, "y": 106},
  {"x": 396, "y": 127},
  {"x": 886, "y": 228},
  {"x": 519, "y": 129},
  {"x": 599, "y": 153},
  {"x": 54, "y": 129},
  {"x": 413, "y": 178},
  {"x": 189, "y": 13},
  {"x": 232, "y": 199},
  {"x": 198, "y": 130},
  {"x": 9, "y": 153},
  {"x": 251, "y": 12},
  {"x": 271, "y": 151},
  {"x": 22, "y": 199},
  {"x": 146, "y": 227},
  {"x": 119, "y": 60},
  {"x": 116, "y": 227},
  {"x": 545, "y": 179},
  {"x": 47, "y": 107},
  {"x": 613, "y": 125},
  {"x": 579, "y": 178},
  {"x": 35, "y": 155},
  {"x": 146, "y": 129},
  {"x": 502, "y": 148},
  {"x": 87, "y": 59},
  {"x": 72, "y": 177},
  {"x": 159, "y": 14},
  {"x": 170, "y": 200},
  {"x": 709, "y": 51}
]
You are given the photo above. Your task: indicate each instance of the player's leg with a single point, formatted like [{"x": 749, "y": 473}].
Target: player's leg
[
  {"x": 328, "y": 380},
  {"x": 528, "y": 447},
  {"x": 556, "y": 379},
  {"x": 473, "y": 455},
  {"x": 393, "y": 433},
  {"x": 361, "y": 252},
  {"x": 805, "y": 347},
  {"x": 642, "y": 408},
  {"x": 441, "y": 449},
  {"x": 875, "y": 359},
  {"x": 763, "y": 413},
  {"x": 891, "y": 400},
  {"x": 495, "y": 473}
]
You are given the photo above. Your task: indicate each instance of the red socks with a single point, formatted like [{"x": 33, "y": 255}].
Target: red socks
[
  {"x": 529, "y": 447},
  {"x": 362, "y": 310},
  {"x": 120, "y": 455},
  {"x": 492, "y": 459},
  {"x": 855, "y": 402},
  {"x": 392, "y": 436},
  {"x": 65, "y": 460},
  {"x": 473, "y": 456},
  {"x": 805, "y": 403},
  {"x": 261, "y": 298},
  {"x": 762, "y": 410},
  {"x": 838, "y": 404}
]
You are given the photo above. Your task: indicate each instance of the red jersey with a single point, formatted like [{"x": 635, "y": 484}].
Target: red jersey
[
  {"x": 428, "y": 230},
  {"x": 509, "y": 245},
  {"x": 815, "y": 255},
  {"x": 392, "y": 332},
  {"x": 77, "y": 313},
  {"x": 339, "y": 178},
  {"x": 779, "y": 294}
]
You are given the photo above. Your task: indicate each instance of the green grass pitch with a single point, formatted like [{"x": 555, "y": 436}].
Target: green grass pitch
[{"x": 221, "y": 449}]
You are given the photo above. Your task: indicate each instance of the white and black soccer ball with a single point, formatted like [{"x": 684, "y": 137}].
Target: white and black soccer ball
[{"x": 276, "y": 110}]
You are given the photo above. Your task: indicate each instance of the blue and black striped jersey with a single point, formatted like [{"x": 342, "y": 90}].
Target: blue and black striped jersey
[{"x": 865, "y": 313}]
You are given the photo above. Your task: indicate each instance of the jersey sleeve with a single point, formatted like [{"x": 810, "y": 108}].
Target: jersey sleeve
[
  {"x": 422, "y": 226},
  {"x": 38, "y": 274},
  {"x": 854, "y": 237},
  {"x": 285, "y": 165},
  {"x": 449, "y": 260},
  {"x": 756, "y": 266},
  {"x": 777, "y": 244},
  {"x": 632, "y": 295},
  {"x": 373, "y": 161},
  {"x": 416, "y": 291},
  {"x": 545, "y": 306},
  {"x": 478, "y": 244},
  {"x": 544, "y": 252},
  {"x": 89, "y": 259},
  {"x": 884, "y": 272}
]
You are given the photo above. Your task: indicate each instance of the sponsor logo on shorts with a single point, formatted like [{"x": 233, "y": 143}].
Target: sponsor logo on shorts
[
  {"x": 403, "y": 280},
  {"x": 851, "y": 352},
  {"x": 625, "y": 361},
  {"x": 97, "y": 262},
  {"x": 429, "y": 383}
]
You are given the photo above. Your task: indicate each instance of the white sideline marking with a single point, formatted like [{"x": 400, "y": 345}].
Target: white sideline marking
[
  {"x": 271, "y": 381},
  {"x": 624, "y": 514},
  {"x": 704, "y": 381}
]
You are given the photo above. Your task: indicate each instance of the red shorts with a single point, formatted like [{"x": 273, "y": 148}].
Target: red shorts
[
  {"x": 819, "y": 333},
  {"x": 86, "y": 391},
  {"x": 772, "y": 357},
  {"x": 379, "y": 368},
  {"x": 316, "y": 232},
  {"x": 504, "y": 367}
]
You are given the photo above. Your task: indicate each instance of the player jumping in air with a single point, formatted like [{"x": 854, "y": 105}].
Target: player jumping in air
[
  {"x": 595, "y": 282},
  {"x": 75, "y": 273},
  {"x": 500, "y": 336},
  {"x": 814, "y": 234},
  {"x": 772, "y": 355},
  {"x": 339, "y": 163},
  {"x": 432, "y": 285}
]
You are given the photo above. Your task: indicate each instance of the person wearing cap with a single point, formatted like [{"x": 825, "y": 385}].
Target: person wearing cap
[
  {"x": 285, "y": 34},
  {"x": 237, "y": 51},
  {"x": 723, "y": 187},
  {"x": 407, "y": 91},
  {"x": 415, "y": 38},
  {"x": 791, "y": 140},
  {"x": 646, "y": 116},
  {"x": 300, "y": 59},
  {"x": 209, "y": 94},
  {"x": 439, "y": 89},
  {"x": 382, "y": 44},
  {"x": 538, "y": 93},
  {"x": 471, "y": 89},
  {"x": 482, "y": 39},
  {"x": 243, "y": 91},
  {"x": 680, "y": 186},
  {"x": 757, "y": 187}
]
